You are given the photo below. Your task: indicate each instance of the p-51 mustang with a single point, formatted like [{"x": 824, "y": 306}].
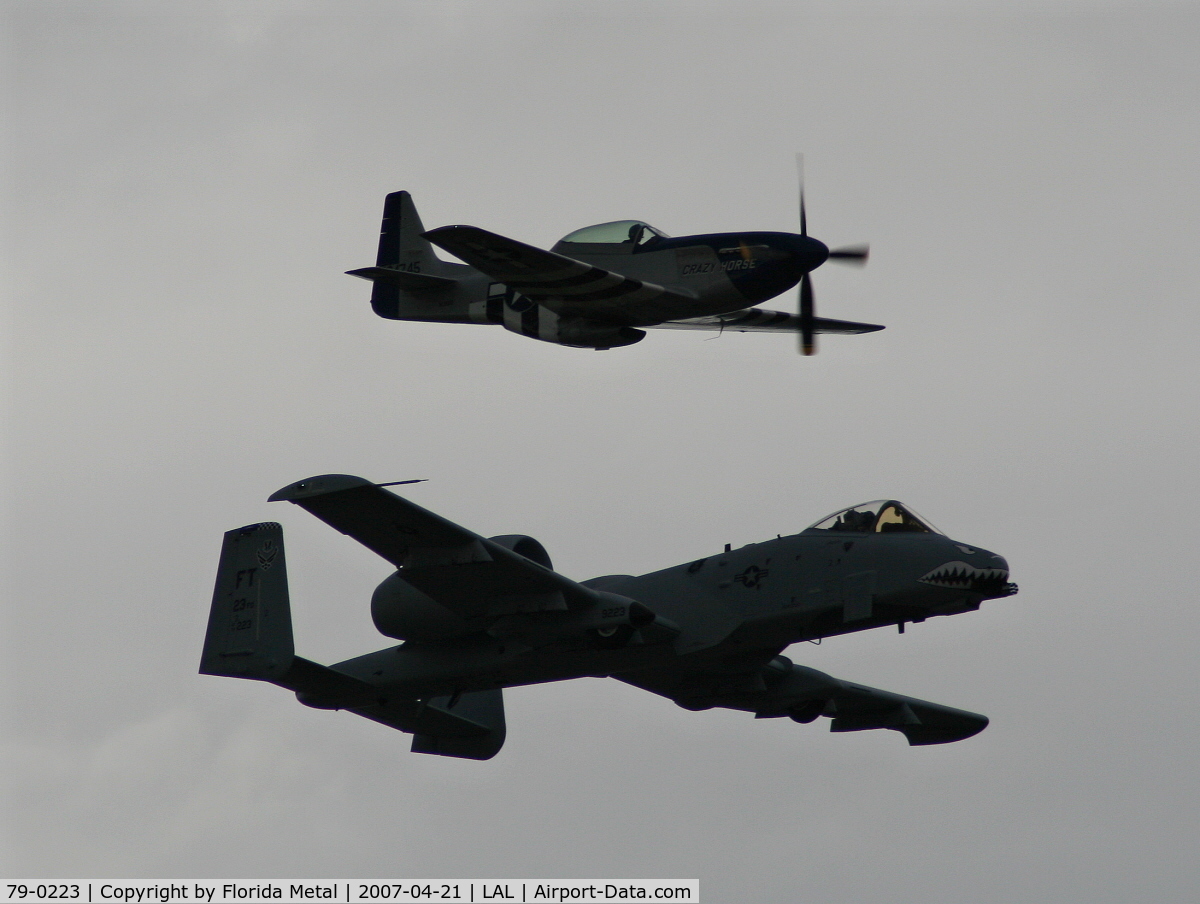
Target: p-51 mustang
[
  {"x": 602, "y": 286},
  {"x": 480, "y": 614}
]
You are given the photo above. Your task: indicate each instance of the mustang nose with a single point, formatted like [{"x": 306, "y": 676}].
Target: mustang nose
[{"x": 808, "y": 253}]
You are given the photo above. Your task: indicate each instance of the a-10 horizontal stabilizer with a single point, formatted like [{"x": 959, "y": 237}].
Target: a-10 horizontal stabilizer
[
  {"x": 250, "y": 636},
  {"x": 481, "y": 709},
  {"x": 468, "y": 725}
]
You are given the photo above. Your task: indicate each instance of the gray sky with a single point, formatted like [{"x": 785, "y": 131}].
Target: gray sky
[{"x": 185, "y": 184}]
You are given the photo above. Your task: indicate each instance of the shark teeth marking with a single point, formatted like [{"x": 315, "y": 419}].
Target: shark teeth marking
[{"x": 962, "y": 576}]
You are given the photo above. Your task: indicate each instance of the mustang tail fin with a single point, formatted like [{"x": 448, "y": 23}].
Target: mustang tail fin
[
  {"x": 401, "y": 243},
  {"x": 250, "y": 623},
  {"x": 405, "y": 261}
]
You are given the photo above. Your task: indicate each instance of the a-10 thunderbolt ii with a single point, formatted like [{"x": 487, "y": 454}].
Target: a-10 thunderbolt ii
[
  {"x": 480, "y": 614},
  {"x": 602, "y": 286}
]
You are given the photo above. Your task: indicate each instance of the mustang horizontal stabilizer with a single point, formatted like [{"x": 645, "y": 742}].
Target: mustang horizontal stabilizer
[
  {"x": 411, "y": 282},
  {"x": 466, "y": 573},
  {"x": 564, "y": 285},
  {"x": 760, "y": 320},
  {"x": 406, "y": 263}
]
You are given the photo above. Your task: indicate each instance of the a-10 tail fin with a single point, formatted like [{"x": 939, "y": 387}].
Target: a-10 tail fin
[
  {"x": 250, "y": 623},
  {"x": 250, "y": 636}
]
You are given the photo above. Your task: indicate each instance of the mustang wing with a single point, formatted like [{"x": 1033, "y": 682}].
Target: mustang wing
[
  {"x": 466, "y": 573},
  {"x": 566, "y": 286},
  {"x": 759, "y": 320}
]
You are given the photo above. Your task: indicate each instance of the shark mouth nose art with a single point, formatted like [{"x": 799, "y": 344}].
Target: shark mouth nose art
[{"x": 962, "y": 576}]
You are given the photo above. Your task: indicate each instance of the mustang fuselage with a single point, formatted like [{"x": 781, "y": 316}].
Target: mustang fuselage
[{"x": 598, "y": 287}]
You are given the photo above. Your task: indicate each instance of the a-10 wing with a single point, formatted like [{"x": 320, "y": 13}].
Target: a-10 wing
[
  {"x": 805, "y": 694},
  {"x": 468, "y": 574},
  {"x": 858, "y": 708}
]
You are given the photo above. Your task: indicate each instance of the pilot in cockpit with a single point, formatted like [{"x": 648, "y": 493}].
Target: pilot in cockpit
[{"x": 894, "y": 519}]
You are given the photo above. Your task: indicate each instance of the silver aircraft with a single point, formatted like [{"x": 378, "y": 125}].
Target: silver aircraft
[
  {"x": 475, "y": 615},
  {"x": 602, "y": 286}
]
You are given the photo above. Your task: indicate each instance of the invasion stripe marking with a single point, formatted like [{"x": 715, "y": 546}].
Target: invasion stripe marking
[{"x": 529, "y": 321}]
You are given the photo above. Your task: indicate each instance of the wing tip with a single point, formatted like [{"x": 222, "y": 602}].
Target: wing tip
[
  {"x": 318, "y": 486},
  {"x": 925, "y": 736}
]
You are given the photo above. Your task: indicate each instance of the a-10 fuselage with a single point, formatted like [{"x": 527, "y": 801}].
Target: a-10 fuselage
[
  {"x": 478, "y": 614},
  {"x": 734, "y": 611}
]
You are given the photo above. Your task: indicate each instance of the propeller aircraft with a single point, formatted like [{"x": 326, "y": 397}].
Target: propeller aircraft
[
  {"x": 602, "y": 286},
  {"x": 476, "y": 615}
]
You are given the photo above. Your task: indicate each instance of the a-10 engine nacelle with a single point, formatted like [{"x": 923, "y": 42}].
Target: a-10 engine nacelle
[{"x": 402, "y": 611}]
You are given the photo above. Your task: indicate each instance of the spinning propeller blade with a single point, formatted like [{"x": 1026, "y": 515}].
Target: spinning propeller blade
[
  {"x": 800, "y": 177},
  {"x": 808, "y": 337},
  {"x": 851, "y": 254}
]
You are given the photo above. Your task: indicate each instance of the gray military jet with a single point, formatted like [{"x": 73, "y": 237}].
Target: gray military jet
[
  {"x": 603, "y": 286},
  {"x": 480, "y": 614}
]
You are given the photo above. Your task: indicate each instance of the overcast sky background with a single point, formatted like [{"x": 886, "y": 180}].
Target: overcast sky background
[{"x": 184, "y": 185}]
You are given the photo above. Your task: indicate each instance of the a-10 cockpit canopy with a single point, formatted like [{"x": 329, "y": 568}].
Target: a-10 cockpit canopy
[
  {"x": 883, "y": 516},
  {"x": 619, "y": 232}
]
